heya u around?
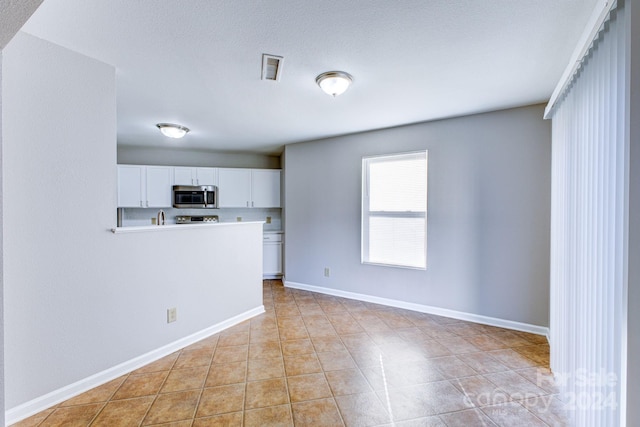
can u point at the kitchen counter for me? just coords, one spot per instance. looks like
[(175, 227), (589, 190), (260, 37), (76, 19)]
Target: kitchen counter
[(168, 227)]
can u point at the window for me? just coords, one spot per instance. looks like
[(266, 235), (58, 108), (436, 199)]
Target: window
[(394, 210)]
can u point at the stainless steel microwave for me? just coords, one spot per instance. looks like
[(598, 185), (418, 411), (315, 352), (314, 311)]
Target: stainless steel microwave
[(195, 196)]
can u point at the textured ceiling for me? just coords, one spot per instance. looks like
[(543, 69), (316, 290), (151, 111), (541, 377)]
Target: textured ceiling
[(14, 13), (198, 62)]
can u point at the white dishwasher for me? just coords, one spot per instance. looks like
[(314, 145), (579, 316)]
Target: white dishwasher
[(272, 256)]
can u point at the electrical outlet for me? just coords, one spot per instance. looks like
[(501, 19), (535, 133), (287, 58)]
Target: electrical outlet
[(268, 220), (239, 219), (327, 272), (172, 315)]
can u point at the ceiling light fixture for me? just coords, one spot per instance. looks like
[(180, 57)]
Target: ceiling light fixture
[(334, 83), (172, 130)]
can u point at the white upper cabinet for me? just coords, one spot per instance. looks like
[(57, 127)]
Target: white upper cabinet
[(159, 182), (265, 188), (131, 186), (183, 176), (150, 186), (234, 189), (144, 186), (206, 176), (249, 188), (195, 176)]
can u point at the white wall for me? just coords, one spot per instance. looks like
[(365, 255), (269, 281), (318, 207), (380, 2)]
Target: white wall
[(488, 215), (203, 158), (79, 299), (14, 15)]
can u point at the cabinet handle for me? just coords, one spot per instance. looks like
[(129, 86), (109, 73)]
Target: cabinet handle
[(251, 204), (147, 203), (247, 203), (192, 183), (141, 204)]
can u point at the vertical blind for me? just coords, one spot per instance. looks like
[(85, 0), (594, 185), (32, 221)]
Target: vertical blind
[(587, 231), (394, 207)]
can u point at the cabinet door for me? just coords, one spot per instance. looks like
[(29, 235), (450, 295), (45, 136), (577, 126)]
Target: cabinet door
[(265, 188), (159, 181), (130, 186), (206, 176), (272, 259), (183, 176), (234, 188)]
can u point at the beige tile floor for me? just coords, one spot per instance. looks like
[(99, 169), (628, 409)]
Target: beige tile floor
[(318, 360)]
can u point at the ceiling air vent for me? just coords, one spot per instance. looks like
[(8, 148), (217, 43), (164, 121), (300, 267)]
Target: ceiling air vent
[(271, 67)]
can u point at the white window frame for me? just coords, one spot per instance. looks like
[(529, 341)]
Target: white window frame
[(366, 214)]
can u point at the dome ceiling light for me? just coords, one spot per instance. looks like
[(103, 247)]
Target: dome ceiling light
[(172, 130), (334, 83)]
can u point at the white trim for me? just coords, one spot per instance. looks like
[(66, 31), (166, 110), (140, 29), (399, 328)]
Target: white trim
[(591, 30), (41, 403), (460, 315)]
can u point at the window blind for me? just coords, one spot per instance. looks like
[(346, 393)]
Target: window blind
[(394, 207), (587, 231)]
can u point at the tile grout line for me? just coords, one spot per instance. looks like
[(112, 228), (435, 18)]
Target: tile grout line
[(109, 400), (160, 388), (286, 377), (204, 382), (104, 405), (324, 373), (286, 385), (359, 370)]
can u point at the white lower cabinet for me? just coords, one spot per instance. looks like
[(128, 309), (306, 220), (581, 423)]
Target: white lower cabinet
[(272, 256)]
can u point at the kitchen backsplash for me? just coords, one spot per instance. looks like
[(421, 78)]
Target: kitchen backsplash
[(132, 217)]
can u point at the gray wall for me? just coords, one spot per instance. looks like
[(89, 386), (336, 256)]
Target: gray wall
[(488, 214), (203, 158)]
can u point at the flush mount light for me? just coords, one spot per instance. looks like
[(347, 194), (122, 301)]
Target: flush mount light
[(172, 130), (334, 83)]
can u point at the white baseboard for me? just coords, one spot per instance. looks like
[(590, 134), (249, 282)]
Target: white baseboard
[(460, 315), (41, 403)]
